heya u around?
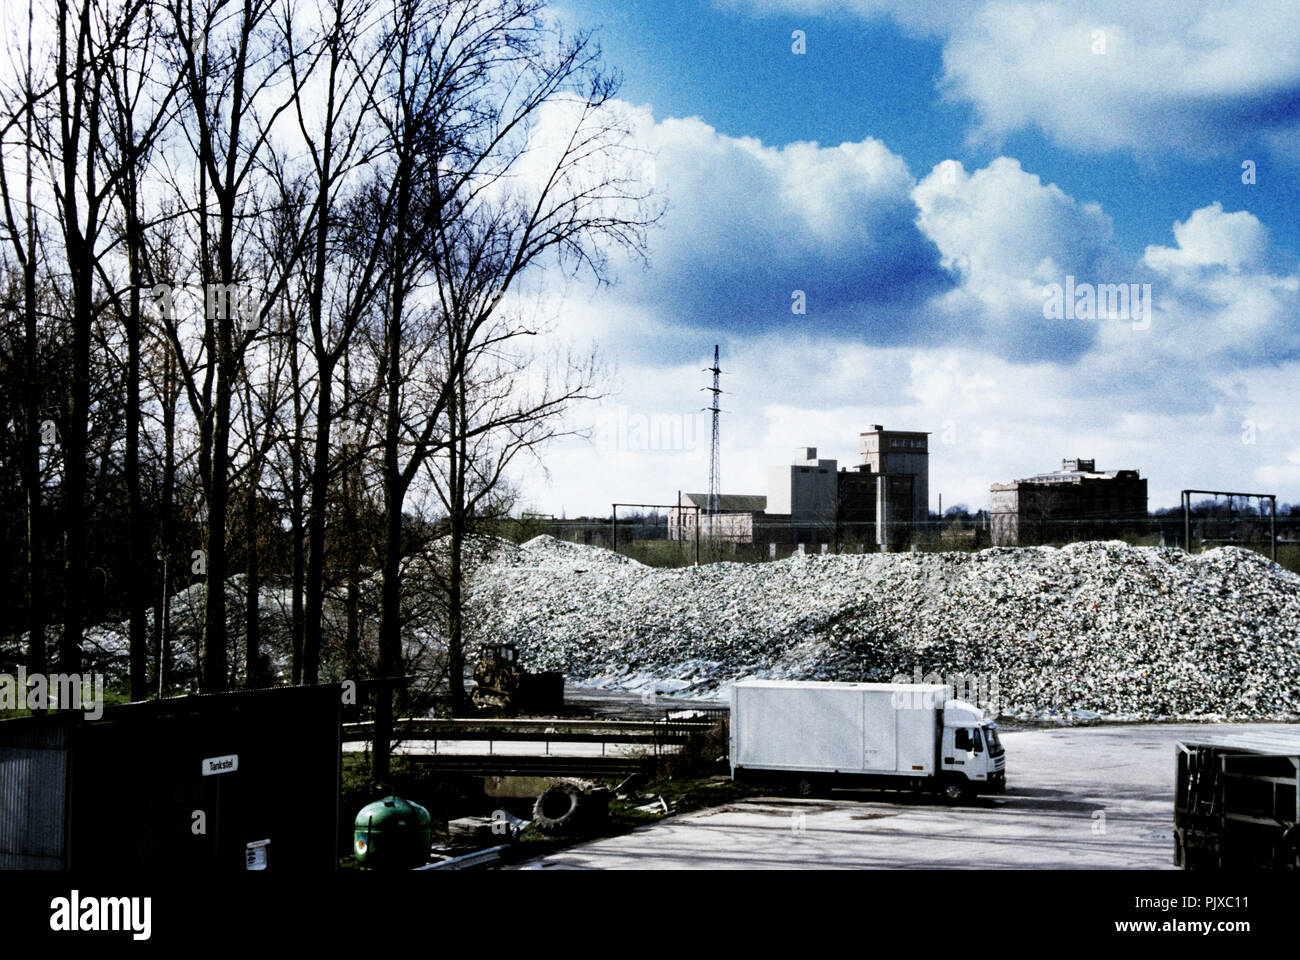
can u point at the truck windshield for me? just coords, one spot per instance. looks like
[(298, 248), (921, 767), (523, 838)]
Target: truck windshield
[(991, 736)]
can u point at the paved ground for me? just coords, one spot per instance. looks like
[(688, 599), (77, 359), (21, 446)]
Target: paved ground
[(1087, 797)]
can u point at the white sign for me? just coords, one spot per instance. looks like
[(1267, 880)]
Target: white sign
[(255, 855), (214, 765)]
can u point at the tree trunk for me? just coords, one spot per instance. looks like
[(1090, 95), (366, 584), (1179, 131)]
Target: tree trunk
[(390, 642), (456, 481), (74, 455), (314, 632), (139, 549), (297, 622), (252, 607), (162, 622), (455, 621), (390, 616), (214, 632), (36, 653)]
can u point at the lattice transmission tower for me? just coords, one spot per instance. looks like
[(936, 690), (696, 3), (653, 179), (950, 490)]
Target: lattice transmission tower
[(714, 468)]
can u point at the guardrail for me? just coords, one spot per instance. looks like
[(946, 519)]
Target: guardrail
[(660, 735)]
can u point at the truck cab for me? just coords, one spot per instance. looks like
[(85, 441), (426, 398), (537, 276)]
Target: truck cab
[(971, 754)]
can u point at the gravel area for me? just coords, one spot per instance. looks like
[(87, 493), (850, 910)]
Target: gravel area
[(1091, 630)]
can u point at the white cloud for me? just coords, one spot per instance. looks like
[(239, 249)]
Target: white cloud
[(1101, 75), (748, 224), (1004, 391), (1210, 237), (1218, 301), (1007, 235), (990, 420)]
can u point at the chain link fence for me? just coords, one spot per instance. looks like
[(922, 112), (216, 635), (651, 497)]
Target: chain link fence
[(648, 540)]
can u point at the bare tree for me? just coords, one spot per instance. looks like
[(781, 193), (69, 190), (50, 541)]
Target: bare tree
[(21, 229), (470, 91), (236, 83), (70, 142), (141, 107), (496, 414)]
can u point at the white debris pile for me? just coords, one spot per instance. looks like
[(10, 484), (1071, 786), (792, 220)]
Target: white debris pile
[(1089, 629)]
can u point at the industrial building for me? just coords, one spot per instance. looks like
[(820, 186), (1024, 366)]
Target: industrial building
[(903, 500), (733, 522), (1076, 502), (812, 500)]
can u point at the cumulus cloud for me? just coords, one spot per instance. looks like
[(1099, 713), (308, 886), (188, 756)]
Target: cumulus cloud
[(1219, 303), (753, 232), (1098, 75), (748, 225), (960, 258), (957, 344), (1007, 235), (1210, 237)]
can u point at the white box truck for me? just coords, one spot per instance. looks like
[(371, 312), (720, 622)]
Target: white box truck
[(899, 736)]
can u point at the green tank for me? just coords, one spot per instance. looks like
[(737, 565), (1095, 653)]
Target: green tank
[(392, 834)]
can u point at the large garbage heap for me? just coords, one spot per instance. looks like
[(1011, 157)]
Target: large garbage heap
[(1090, 629)]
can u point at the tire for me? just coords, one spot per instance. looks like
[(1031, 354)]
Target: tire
[(557, 808), (954, 791), (808, 787)]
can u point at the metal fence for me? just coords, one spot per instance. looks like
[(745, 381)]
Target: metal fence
[(950, 535), (676, 729)]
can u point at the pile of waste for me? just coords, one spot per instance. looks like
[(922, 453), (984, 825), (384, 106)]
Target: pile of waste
[(1098, 629)]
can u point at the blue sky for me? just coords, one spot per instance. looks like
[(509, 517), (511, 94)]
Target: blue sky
[(732, 66), (923, 173)]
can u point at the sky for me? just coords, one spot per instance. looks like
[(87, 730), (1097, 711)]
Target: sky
[(929, 182), (921, 214)]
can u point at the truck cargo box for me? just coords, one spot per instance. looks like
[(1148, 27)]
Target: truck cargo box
[(868, 728)]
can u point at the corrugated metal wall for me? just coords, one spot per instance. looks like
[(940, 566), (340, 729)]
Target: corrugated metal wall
[(33, 782)]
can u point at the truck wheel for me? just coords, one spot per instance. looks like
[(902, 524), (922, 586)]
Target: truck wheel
[(807, 787), (955, 792)]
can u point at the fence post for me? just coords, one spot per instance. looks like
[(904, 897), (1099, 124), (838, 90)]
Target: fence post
[(1272, 527)]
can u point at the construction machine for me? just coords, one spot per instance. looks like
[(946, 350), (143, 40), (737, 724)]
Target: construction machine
[(502, 683)]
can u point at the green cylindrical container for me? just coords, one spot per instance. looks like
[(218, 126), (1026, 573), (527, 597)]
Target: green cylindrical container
[(392, 834)]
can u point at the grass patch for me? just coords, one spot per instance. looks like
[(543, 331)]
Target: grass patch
[(112, 696)]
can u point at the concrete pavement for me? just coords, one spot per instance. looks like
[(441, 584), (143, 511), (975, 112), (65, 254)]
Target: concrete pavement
[(1082, 797)]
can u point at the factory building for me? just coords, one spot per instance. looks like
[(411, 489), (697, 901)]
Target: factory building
[(1076, 502), (899, 453), (804, 494), (812, 500)]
